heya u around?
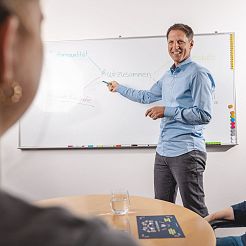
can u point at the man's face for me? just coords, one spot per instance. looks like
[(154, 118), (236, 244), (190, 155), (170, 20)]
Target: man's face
[(179, 46)]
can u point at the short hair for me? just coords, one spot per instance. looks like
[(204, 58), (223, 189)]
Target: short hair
[(182, 27), (4, 12), (14, 8)]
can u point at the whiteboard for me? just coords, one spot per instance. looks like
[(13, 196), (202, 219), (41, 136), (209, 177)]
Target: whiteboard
[(74, 109)]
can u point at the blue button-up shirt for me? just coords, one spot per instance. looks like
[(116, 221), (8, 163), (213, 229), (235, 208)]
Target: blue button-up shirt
[(186, 93)]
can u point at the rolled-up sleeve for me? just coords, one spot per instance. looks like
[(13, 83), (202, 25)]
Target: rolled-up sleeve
[(202, 87)]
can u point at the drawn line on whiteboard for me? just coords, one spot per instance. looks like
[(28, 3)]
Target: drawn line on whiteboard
[(98, 67), (90, 83), (81, 101)]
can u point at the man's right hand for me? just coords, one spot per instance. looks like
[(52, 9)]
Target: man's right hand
[(112, 86)]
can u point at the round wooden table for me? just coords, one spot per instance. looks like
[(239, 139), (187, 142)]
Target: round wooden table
[(196, 230)]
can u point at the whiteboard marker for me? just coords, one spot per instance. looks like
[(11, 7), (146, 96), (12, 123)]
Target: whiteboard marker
[(105, 82)]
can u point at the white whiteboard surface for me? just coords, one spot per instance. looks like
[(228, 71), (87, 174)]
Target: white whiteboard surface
[(73, 108)]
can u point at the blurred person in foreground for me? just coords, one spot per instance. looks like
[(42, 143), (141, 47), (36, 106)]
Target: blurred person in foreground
[(20, 66)]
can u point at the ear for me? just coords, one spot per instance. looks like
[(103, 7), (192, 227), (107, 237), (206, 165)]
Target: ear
[(8, 38), (191, 44)]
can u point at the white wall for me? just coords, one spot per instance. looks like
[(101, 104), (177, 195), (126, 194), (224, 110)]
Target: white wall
[(43, 174)]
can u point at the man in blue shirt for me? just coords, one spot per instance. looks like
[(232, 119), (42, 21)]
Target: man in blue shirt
[(185, 95)]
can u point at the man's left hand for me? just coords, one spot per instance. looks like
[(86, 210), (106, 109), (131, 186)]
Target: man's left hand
[(155, 112)]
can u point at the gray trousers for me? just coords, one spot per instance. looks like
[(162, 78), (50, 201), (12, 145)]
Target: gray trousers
[(184, 172)]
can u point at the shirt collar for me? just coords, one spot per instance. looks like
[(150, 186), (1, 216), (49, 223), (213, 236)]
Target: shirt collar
[(181, 65)]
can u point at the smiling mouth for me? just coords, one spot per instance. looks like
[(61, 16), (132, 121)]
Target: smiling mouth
[(176, 53)]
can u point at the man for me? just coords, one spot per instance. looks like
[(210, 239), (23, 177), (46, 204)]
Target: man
[(236, 213), (185, 92)]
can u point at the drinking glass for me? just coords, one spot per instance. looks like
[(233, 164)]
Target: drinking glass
[(120, 202)]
